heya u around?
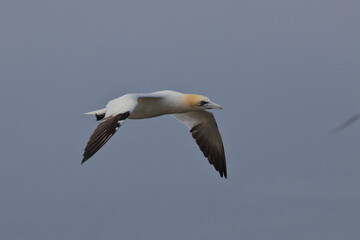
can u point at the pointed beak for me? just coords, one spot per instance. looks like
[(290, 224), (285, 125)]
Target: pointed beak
[(211, 105)]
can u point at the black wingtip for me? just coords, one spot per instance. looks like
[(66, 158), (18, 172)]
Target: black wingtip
[(83, 160), (223, 174), (103, 132)]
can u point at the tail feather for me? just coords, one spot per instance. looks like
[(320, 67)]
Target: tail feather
[(99, 114)]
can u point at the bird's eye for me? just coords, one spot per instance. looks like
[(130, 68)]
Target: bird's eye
[(203, 103)]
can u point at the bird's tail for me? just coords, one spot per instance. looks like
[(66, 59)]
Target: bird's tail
[(99, 114)]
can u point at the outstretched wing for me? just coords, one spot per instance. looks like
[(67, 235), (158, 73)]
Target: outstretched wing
[(104, 131), (204, 130), (344, 125), (116, 111)]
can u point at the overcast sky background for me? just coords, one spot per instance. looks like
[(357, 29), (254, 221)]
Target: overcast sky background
[(286, 73)]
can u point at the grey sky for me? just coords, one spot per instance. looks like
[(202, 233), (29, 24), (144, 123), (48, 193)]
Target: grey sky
[(286, 73)]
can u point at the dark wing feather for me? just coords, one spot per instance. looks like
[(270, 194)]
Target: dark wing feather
[(350, 121), (104, 131), (205, 131)]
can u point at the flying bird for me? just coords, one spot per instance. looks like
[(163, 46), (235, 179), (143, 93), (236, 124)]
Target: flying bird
[(347, 123), (189, 109)]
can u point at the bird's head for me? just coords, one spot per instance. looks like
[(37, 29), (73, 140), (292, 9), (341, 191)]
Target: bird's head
[(199, 102)]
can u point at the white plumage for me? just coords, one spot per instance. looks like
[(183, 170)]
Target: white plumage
[(189, 109)]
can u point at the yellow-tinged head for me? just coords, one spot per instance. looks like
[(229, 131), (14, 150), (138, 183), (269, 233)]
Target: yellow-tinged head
[(200, 102)]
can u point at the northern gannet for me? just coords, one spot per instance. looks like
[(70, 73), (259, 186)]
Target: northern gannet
[(189, 109)]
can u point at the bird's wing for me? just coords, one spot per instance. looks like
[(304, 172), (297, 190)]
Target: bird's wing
[(149, 99), (347, 123), (104, 131), (204, 130), (112, 117), (116, 111)]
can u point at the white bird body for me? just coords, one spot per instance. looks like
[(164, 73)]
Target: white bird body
[(187, 108)]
